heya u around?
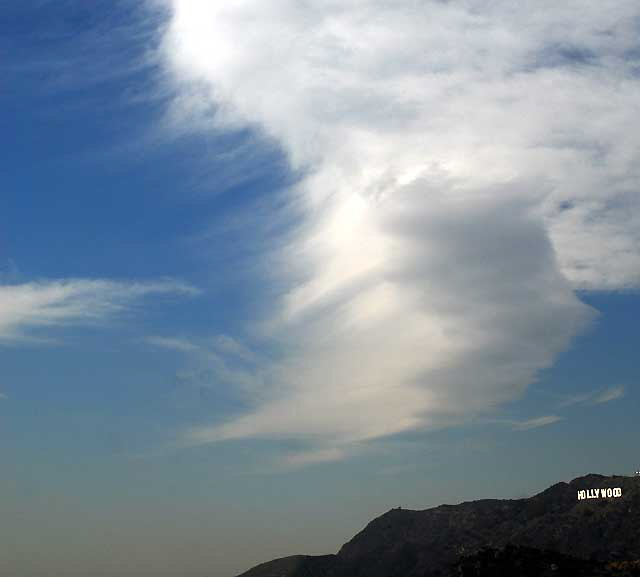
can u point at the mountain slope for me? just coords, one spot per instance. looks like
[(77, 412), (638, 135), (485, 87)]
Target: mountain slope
[(405, 543)]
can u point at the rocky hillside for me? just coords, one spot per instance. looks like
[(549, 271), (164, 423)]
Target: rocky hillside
[(429, 543)]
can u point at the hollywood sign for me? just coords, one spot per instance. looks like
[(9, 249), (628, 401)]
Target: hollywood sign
[(599, 493)]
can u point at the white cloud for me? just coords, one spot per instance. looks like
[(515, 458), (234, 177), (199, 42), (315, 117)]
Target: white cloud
[(598, 397), (608, 395), (324, 455), (28, 309), (173, 343), (536, 423), (215, 362), (468, 165), (3, 397)]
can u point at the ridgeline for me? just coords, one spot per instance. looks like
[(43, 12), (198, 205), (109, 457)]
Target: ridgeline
[(552, 533)]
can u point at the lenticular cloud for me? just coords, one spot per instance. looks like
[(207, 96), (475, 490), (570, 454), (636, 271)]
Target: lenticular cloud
[(468, 166)]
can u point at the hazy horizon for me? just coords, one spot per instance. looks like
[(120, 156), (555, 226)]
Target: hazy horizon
[(269, 269)]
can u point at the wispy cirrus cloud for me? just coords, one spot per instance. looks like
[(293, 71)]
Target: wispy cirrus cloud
[(29, 312), (218, 361), (466, 168), (536, 423), (597, 397), (179, 344), (608, 395)]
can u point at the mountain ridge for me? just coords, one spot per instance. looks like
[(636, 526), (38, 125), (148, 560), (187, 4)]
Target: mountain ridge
[(429, 542)]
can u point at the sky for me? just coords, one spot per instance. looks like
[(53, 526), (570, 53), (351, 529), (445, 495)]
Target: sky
[(268, 269)]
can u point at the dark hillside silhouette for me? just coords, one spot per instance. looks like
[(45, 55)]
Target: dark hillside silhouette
[(436, 542)]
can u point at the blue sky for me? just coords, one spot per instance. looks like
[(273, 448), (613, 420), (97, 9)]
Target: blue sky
[(255, 292)]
